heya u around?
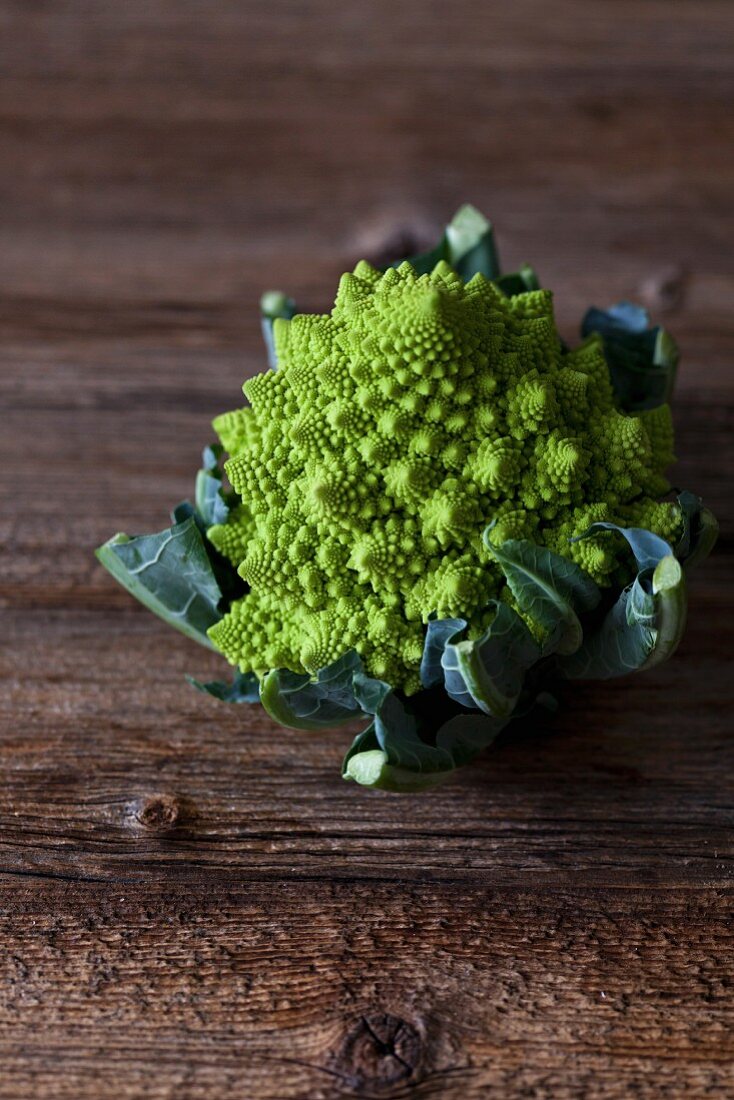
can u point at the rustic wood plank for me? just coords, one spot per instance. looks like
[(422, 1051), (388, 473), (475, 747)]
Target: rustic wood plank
[(371, 990), (166, 401), (612, 791), (192, 903), (132, 128)]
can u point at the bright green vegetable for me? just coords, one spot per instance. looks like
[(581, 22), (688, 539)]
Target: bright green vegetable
[(434, 504)]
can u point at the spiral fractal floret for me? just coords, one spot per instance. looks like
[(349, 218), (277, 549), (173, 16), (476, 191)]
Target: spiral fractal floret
[(430, 510), (395, 429)]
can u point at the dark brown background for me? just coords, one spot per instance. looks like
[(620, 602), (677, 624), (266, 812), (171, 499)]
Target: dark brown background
[(193, 904)]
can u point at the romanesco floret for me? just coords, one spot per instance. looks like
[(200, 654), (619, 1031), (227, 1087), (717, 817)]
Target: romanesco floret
[(394, 430)]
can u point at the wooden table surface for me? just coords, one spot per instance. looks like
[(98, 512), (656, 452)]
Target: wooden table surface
[(193, 904)]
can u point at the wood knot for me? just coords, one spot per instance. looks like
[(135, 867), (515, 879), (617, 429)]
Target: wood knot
[(380, 1052), (160, 813), (664, 291)]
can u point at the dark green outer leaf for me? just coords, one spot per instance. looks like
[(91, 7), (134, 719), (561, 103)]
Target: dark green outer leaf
[(394, 753), (245, 688), (700, 532), (488, 673), (274, 305), (467, 245), (642, 361), (183, 511), (466, 735), (644, 626), (364, 742), (170, 573), (370, 767), (438, 633), (369, 692), (397, 732), (297, 701), (396, 729), (647, 547), (641, 630), (231, 585), (548, 588), (671, 605), (621, 644), (518, 282), (390, 754), (213, 506), (210, 503), (471, 245)]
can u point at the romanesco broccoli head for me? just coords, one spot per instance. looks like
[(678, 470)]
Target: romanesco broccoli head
[(397, 428)]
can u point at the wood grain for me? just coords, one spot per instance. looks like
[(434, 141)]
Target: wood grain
[(192, 903)]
